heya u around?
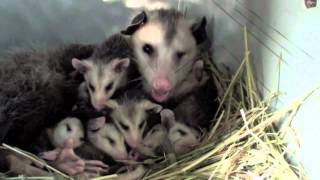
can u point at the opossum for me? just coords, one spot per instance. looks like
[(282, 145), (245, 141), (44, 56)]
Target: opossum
[(54, 137), (68, 128), (165, 47), (106, 70), (130, 116), (183, 138), (35, 92), (110, 141)]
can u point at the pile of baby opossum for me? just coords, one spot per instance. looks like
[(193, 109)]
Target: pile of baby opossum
[(91, 109)]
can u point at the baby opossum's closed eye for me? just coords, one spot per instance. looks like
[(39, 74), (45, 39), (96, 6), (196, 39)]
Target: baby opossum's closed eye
[(142, 124), (181, 132), (125, 127), (111, 141), (108, 88)]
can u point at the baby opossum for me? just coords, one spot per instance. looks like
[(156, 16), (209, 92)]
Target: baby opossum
[(68, 128), (54, 137), (35, 92), (130, 116), (182, 137), (106, 70), (110, 141), (165, 47)]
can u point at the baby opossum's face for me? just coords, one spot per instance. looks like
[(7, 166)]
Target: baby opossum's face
[(154, 137), (109, 140), (182, 137), (101, 79), (130, 118), (68, 128), (165, 47)]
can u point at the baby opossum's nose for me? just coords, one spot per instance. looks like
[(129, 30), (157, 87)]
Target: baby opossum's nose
[(98, 104)]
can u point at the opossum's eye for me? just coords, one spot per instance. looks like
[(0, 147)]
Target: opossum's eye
[(68, 128), (91, 87), (180, 54), (153, 131), (108, 88), (141, 124), (148, 49), (125, 127), (181, 132), (111, 141)]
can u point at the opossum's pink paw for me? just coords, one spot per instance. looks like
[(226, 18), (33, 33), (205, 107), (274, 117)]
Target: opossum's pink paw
[(97, 167), (67, 161), (50, 155)]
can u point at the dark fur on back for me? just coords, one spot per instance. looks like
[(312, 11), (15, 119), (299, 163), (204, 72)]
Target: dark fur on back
[(116, 46), (35, 93)]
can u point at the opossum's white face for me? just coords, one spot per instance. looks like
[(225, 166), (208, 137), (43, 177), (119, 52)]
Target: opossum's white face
[(109, 140), (130, 118), (182, 137), (154, 137), (68, 128), (102, 80), (163, 62)]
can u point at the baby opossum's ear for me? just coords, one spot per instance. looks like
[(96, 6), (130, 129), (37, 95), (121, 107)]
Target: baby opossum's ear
[(112, 104), (120, 65), (80, 66), (137, 21), (150, 106), (167, 118), (199, 30)]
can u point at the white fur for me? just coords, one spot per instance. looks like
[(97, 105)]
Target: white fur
[(99, 139), (60, 132)]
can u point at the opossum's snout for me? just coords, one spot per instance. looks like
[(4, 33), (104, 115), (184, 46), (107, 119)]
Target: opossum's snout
[(98, 102), (133, 142), (160, 89), (121, 156)]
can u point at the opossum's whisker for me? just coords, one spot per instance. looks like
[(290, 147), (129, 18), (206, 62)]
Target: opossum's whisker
[(182, 66)]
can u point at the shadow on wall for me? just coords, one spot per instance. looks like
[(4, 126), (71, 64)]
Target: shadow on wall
[(50, 23)]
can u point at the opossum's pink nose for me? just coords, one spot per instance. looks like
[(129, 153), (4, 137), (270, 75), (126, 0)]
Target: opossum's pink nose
[(162, 85), (160, 89), (121, 156)]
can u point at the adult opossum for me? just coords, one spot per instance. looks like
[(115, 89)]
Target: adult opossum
[(107, 69), (35, 91), (165, 47)]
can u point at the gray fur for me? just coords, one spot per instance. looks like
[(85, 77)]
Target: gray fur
[(34, 94)]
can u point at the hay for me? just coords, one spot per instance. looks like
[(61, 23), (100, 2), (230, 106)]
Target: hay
[(244, 143)]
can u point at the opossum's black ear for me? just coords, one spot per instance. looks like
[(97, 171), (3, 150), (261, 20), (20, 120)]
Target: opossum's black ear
[(120, 65), (167, 118), (199, 30), (137, 21), (150, 106), (80, 66)]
